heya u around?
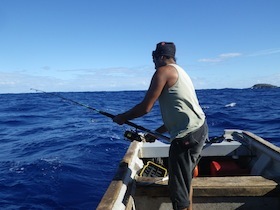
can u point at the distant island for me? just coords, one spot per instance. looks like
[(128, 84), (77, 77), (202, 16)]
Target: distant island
[(261, 86)]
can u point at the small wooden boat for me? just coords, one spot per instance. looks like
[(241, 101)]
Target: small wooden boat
[(237, 171)]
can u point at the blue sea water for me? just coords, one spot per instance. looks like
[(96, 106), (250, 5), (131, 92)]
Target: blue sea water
[(57, 155)]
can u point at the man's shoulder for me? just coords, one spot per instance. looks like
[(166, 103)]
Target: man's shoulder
[(166, 68), (169, 72)]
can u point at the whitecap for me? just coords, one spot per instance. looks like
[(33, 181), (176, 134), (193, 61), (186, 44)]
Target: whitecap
[(230, 105)]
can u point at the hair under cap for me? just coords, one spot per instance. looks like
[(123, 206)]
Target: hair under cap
[(165, 48)]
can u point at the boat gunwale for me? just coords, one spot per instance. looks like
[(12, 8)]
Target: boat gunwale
[(121, 181)]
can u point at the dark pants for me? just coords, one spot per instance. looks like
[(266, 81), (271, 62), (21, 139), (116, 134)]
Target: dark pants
[(184, 154)]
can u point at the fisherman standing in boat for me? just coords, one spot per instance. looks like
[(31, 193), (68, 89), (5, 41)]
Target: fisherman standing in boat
[(183, 118)]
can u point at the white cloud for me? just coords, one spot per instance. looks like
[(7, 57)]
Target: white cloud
[(17, 82), (226, 56), (265, 52), (230, 55), (210, 60), (110, 79), (273, 79), (220, 58)]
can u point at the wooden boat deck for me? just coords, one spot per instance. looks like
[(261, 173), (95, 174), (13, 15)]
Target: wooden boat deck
[(242, 192), (218, 186)]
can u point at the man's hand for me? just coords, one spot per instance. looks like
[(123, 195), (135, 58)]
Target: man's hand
[(149, 137), (120, 119)]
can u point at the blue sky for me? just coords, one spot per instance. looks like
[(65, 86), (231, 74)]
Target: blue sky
[(102, 45)]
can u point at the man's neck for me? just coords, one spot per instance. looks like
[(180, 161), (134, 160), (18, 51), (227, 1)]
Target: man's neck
[(170, 61)]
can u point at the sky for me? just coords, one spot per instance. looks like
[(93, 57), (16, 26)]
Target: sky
[(102, 45)]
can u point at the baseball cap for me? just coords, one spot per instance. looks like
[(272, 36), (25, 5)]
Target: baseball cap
[(165, 48)]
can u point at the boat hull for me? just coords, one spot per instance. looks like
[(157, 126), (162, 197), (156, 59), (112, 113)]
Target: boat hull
[(254, 184)]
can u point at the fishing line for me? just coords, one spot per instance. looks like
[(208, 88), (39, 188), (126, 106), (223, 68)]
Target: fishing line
[(159, 135)]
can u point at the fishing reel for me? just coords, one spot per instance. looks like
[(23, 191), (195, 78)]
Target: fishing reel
[(133, 135)]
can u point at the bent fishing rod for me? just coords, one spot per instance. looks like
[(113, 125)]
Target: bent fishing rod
[(156, 134)]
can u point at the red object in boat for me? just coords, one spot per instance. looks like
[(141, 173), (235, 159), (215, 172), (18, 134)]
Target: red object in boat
[(227, 168)]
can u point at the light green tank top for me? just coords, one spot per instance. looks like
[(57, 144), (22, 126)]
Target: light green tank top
[(179, 106)]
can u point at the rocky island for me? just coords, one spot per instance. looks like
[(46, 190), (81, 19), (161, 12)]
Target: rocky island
[(261, 86)]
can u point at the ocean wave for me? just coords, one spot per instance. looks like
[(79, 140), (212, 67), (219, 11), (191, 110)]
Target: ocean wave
[(54, 154)]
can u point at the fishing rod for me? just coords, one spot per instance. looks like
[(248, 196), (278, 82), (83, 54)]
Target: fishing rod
[(154, 133)]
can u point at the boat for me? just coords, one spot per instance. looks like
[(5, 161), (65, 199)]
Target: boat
[(238, 170)]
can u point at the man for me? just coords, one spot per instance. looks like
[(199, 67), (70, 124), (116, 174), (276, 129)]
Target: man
[(182, 116)]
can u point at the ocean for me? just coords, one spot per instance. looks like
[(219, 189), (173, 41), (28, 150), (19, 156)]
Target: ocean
[(58, 155)]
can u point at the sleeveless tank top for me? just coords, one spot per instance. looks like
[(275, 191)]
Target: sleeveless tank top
[(180, 109)]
